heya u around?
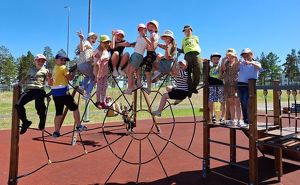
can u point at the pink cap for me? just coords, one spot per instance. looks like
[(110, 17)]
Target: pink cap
[(141, 26), (117, 32), (183, 62), (40, 56)]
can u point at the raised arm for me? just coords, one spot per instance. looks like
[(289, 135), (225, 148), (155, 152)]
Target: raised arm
[(81, 37)]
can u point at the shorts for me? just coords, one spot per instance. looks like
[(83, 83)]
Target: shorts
[(61, 101), (178, 94), (165, 66), (149, 60), (216, 94), (136, 59)]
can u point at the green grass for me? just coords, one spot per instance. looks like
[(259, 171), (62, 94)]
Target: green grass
[(96, 116)]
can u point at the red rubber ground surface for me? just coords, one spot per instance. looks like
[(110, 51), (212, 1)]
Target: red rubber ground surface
[(95, 168)]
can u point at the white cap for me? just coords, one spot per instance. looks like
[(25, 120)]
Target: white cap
[(183, 62), (246, 50), (91, 34), (40, 56)]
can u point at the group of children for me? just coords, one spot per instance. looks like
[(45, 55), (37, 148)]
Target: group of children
[(228, 84), (109, 56)]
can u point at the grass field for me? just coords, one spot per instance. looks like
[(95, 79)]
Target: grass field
[(96, 115)]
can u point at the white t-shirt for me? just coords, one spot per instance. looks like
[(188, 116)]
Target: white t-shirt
[(156, 39), (140, 45), (87, 53)]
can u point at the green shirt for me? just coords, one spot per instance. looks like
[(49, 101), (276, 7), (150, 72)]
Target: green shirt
[(190, 44), (36, 78)]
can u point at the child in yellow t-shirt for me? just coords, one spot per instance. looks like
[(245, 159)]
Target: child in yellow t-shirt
[(61, 95)]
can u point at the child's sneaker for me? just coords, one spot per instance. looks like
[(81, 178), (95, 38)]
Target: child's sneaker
[(56, 134), (222, 121), (214, 120), (121, 72), (25, 126), (115, 73), (81, 128), (156, 113)]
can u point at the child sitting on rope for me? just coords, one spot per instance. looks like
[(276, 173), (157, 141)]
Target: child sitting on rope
[(101, 58), (180, 91), (165, 62), (85, 52), (61, 95), (34, 89), (136, 59), (119, 60)]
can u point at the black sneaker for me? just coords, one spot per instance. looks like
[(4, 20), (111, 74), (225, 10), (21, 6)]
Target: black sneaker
[(25, 126), (214, 120), (56, 134), (195, 91)]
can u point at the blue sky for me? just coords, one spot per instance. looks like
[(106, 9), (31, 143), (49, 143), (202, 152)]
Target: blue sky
[(262, 25)]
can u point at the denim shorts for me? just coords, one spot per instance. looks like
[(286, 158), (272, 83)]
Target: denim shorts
[(216, 94), (136, 59)]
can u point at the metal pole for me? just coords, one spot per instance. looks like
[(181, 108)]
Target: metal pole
[(90, 16), (68, 34)]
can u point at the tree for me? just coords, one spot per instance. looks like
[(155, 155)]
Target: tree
[(271, 68), (24, 64), (50, 58), (291, 67), (7, 66), (62, 51)]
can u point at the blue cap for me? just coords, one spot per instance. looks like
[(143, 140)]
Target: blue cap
[(62, 55)]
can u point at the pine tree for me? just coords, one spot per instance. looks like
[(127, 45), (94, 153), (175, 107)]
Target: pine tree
[(291, 67), (7, 66)]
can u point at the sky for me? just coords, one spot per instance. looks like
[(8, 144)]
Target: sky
[(262, 25)]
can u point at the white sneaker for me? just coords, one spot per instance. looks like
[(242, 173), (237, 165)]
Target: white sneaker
[(115, 73), (81, 128), (156, 113), (121, 72)]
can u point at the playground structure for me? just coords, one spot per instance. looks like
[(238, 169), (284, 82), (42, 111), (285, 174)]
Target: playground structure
[(262, 136)]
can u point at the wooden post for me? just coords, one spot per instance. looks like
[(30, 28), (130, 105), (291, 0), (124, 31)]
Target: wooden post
[(134, 105), (253, 161), (206, 128), (232, 145), (276, 113), (14, 143)]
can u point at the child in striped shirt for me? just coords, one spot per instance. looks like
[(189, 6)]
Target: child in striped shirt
[(181, 89)]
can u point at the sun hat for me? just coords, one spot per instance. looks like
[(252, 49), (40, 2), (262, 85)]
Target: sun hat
[(92, 34), (156, 24), (231, 52), (141, 26), (215, 55), (104, 38), (168, 33), (246, 50), (62, 56), (40, 56), (117, 32), (187, 27), (183, 62)]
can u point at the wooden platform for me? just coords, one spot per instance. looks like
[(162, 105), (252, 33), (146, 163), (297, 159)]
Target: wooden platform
[(286, 132), (260, 126)]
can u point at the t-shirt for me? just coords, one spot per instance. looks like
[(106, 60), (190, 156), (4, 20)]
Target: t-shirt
[(181, 80), (59, 76), (119, 49), (190, 44), (36, 78), (156, 39), (140, 45), (214, 75), (248, 72), (87, 53), (101, 59)]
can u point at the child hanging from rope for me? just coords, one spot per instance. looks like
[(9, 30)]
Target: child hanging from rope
[(33, 89), (165, 62), (61, 95), (119, 60), (149, 59), (101, 58), (180, 91), (136, 59), (216, 88), (85, 51)]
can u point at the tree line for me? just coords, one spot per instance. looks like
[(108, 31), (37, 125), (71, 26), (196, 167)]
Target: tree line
[(13, 69)]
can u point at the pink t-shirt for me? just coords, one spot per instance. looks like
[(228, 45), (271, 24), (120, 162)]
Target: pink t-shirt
[(101, 59)]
